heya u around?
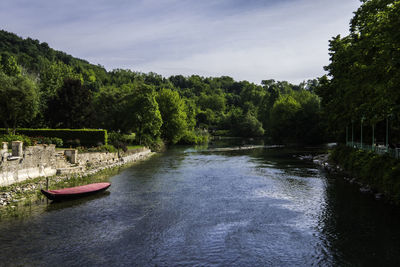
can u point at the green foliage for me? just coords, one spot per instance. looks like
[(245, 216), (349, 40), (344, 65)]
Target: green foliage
[(111, 104), (144, 117), (283, 117), (72, 106), (295, 118), (15, 137), (381, 172), (70, 137), (48, 140), (121, 141), (18, 100), (71, 93), (213, 102), (172, 109), (52, 78), (194, 137), (242, 124), (9, 65), (364, 69)]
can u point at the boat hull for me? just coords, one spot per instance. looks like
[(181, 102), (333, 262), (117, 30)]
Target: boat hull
[(75, 192)]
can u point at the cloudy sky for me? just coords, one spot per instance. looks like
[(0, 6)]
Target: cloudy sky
[(247, 39)]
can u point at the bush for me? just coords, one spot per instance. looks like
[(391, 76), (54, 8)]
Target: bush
[(194, 138), (70, 137), (48, 140), (119, 140), (130, 138), (11, 137), (157, 145), (381, 172)]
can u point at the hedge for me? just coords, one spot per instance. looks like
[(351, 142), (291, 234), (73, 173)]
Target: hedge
[(70, 137)]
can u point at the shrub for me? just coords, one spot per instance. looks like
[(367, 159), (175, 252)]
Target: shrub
[(381, 172), (48, 140), (194, 137), (11, 137), (118, 140)]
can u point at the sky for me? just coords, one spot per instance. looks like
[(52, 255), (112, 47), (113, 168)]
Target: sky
[(250, 40)]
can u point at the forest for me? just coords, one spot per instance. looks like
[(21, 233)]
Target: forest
[(44, 88)]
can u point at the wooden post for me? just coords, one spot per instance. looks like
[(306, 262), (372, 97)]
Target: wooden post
[(47, 188)]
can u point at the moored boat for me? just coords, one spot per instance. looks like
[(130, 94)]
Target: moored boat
[(75, 192)]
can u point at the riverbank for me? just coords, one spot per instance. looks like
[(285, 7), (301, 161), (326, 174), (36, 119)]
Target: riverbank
[(374, 174), (28, 191)]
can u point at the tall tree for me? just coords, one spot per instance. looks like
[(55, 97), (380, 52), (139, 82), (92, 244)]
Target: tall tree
[(72, 106), (363, 75), (172, 109), (143, 115), (18, 100)]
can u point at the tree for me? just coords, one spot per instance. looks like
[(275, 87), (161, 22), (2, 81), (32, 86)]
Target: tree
[(72, 106), (283, 118), (18, 100), (9, 65), (143, 115), (172, 109), (363, 74), (111, 107)]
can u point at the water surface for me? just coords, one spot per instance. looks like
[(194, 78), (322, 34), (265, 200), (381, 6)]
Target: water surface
[(208, 207)]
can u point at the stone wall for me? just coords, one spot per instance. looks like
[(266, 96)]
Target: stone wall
[(44, 160), (32, 162)]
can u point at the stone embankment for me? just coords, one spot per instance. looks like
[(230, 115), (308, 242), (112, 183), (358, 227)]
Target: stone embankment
[(23, 165)]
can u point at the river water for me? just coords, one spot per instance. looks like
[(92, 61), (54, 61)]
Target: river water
[(211, 207)]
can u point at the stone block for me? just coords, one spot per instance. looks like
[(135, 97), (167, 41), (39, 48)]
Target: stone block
[(72, 155), (17, 148), (4, 146)]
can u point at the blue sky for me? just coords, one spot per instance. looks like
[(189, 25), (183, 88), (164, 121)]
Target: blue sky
[(249, 40)]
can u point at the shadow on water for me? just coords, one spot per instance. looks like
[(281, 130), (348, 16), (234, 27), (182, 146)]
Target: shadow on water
[(357, 229), (59, 205)]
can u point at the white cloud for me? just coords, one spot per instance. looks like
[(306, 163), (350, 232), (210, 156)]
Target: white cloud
[(284, 40)]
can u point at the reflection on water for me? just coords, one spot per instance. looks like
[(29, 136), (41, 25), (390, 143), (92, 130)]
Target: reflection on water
[(226, 207), (55, 205)]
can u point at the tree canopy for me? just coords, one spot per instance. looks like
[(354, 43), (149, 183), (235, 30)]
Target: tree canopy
[(73, 93), (364, 71)]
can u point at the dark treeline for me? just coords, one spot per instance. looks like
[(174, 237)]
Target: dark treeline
[(41, 87), (363, 85)]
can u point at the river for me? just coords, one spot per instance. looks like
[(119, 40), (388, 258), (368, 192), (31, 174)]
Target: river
[(211, 207)]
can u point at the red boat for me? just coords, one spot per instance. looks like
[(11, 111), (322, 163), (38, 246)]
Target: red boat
[(75, 192)]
